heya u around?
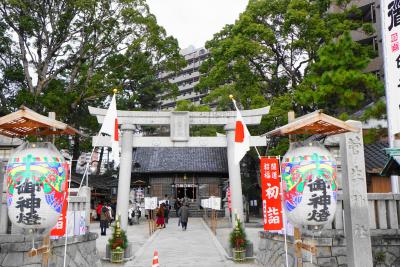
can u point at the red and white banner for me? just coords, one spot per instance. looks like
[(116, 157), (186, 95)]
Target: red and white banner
[(59, 229), (271, 194), (242, 136), (228, 193)]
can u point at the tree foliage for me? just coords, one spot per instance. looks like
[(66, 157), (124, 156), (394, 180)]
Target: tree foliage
[(73, 53), (280, 53), (11, 74), (336, 81)]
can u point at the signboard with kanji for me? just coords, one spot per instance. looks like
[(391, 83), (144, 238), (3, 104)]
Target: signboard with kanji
[(271, 194), (391, 55), (215, 203), (150, 203)]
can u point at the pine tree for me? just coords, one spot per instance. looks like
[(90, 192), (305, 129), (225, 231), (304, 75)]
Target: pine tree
[(237, 238)]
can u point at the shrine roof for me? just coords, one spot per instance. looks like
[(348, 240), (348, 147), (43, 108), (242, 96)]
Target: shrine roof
[(313, 123), (180, 160), (392, 166), (375, 157), (26, 122)]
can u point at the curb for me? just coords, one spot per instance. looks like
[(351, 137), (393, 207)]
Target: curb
[(220, 248), (141, 250)]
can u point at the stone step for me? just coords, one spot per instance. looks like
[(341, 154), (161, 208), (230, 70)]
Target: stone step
[(196, 213)]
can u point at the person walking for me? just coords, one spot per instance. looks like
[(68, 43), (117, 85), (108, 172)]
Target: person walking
[(177, 206), (104, 220), (184, 215), (110, 212), (160, 217), (131, 214), (166, 214)]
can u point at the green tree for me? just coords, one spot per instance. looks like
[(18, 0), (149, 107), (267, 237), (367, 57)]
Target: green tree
[(11, 75), (336, 81), (264, 56), (73, 53), (270, 56)]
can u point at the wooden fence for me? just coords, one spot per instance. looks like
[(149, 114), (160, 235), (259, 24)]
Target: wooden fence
[(384, 212)]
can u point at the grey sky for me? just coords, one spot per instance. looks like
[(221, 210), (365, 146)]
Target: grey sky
[(193, 22)]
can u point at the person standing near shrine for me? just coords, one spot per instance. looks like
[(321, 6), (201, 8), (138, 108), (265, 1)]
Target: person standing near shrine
[(160, 223), (184, 215), (166, 213), (98, 210), (104, 220), (177, 206)]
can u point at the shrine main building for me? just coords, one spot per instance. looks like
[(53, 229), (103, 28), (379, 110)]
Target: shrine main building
[(179, 172)]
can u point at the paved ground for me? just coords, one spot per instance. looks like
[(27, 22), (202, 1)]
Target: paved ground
[(137, 235), (195, 247)]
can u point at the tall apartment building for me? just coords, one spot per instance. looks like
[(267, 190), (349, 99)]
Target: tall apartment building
[(370, 13), (187, 79)]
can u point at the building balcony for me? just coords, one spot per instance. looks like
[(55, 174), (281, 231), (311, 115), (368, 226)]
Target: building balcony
[(185, 77)]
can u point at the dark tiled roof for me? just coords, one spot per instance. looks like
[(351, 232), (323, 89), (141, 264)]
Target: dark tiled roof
[(375, 157), (98, 182), (392, 167), (180, 160)]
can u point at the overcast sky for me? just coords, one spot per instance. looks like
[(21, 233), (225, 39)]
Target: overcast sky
[(193, 22)]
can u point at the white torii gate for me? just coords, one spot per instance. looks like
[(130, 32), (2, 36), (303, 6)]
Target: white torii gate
[(179, 122)]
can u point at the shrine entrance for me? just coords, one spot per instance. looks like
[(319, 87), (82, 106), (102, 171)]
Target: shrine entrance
[(187, 191), (179, 123)]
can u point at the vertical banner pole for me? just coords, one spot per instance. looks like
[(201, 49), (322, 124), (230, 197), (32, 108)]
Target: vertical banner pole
[(284, 215), (152, 221), (148, 222), (66, 219), (297, 233)]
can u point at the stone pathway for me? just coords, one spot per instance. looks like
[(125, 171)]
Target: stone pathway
[(194, 247)]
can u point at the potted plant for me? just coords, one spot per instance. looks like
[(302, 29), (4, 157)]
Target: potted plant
[(238, 242), (118, 242)]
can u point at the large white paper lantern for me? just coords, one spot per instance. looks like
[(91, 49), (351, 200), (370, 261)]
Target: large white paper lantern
[(36, 181), (309, 184)]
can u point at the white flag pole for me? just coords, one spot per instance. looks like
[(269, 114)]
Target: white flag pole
[(234, 103), (66, 213), (91, 155)]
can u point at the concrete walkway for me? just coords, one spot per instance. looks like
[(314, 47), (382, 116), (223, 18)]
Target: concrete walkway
[(196, 246)]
